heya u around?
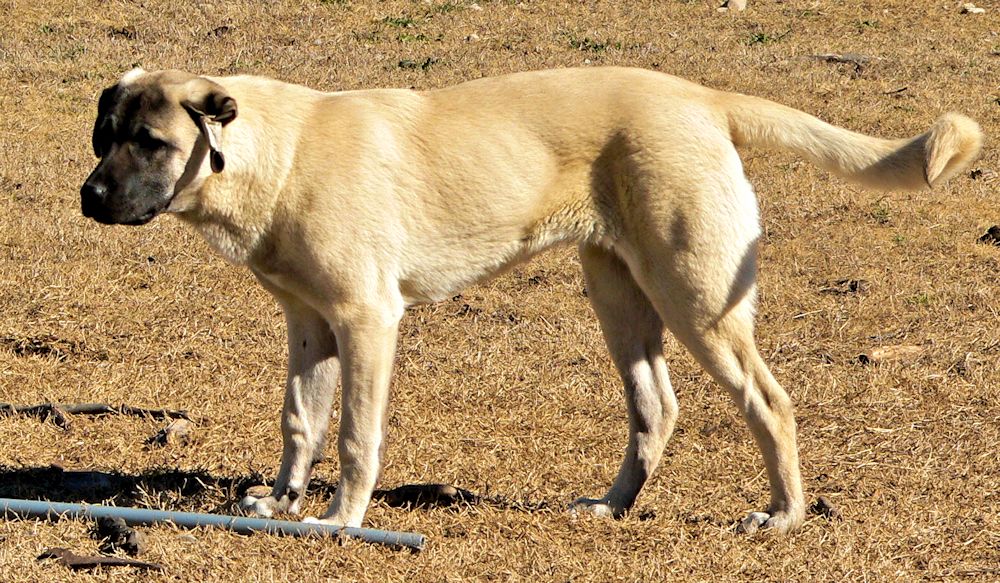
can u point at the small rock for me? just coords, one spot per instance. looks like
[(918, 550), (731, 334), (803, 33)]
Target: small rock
[(472, 38), (109, 526), (135, 543), (970, 8), (177, 431), (117, 535), (475, 6)]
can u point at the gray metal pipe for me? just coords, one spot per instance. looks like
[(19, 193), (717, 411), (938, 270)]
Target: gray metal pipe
[(243, 525)]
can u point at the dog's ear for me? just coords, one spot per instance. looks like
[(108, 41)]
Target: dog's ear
[(211, 107), (206, 98), (104, 127)]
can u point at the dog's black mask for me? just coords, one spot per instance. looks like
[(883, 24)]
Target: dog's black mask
[(144, 137)]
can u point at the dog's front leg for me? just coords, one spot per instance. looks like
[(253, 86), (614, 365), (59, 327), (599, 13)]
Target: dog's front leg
[(313, 370), (367, 347)]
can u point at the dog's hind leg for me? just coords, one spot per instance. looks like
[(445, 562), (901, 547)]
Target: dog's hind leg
[(313, 371), (697, 263), (633, 332), (728, 353)]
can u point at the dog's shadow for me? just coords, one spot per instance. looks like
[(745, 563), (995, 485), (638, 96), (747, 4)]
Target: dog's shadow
[(199, 490), (193, 488)]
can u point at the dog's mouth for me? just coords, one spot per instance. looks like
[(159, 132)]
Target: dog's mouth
[(141, 220), (153, 212), (108, 217)]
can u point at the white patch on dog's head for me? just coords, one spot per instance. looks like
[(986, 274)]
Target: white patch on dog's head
[(132, 76)]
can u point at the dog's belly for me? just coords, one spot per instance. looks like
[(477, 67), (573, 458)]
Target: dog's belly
[(454, 272), (447, 265)]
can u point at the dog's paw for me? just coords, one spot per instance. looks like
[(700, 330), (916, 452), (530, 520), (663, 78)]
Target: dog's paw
[(596, 507), (315, 520), (328, 521), (779, 522), (753, 522), (262, 507), (266, 506)]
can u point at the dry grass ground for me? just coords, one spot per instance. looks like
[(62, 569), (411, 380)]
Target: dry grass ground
[(507, 390)]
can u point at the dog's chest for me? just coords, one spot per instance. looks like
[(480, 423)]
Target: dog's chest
[(234, 246)]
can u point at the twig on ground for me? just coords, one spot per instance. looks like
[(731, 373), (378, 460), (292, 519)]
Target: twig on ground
[(78, 562), (57, 411), (859, 61)]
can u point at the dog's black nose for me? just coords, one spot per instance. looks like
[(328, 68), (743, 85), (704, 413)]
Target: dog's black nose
[(93, 191), (92, 195)]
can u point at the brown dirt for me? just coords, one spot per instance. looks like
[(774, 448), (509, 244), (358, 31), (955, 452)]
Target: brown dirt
[(507, 390)]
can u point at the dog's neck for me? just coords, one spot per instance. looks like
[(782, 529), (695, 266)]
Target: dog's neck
[(237, 241), (231, 214), (234, 209)]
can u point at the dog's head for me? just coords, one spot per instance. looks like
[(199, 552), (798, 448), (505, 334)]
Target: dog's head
[(152, 135)]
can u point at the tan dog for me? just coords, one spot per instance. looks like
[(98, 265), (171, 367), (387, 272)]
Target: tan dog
[(351, 206)]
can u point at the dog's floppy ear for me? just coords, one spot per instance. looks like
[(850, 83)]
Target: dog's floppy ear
[(211, 107), (103, 127)]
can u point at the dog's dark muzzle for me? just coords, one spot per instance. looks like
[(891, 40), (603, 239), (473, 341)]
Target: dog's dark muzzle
[(97, 203)]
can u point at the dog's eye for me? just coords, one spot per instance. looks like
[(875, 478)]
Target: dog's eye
[(101, 145), (147, 141)]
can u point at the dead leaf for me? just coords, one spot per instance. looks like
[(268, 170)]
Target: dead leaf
[(991, 236), (902, 353), (845, 286), (823, 507)]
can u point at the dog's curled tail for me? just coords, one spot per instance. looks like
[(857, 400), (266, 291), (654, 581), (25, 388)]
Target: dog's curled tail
[(947, 148)]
